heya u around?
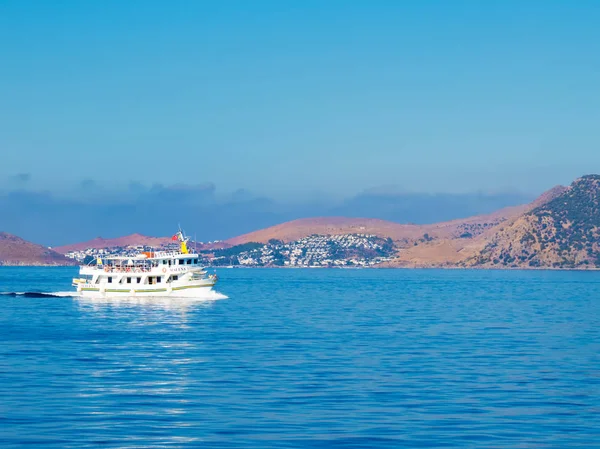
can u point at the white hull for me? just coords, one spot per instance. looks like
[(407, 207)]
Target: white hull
[(197, 292)]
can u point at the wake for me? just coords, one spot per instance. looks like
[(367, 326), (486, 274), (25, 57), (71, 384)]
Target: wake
[(37, 294)]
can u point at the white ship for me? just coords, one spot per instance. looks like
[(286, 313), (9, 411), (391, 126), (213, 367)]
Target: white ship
[(160, 273)]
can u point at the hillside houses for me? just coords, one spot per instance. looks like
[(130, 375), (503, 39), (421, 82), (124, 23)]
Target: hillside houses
[(358, 250), (313, 251)]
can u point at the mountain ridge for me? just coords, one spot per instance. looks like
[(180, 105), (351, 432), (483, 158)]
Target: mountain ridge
[(16, 251), (295, 229), (563, 232)]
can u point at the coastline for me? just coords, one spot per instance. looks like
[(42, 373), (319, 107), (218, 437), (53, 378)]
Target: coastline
[(374, 267), (412, 268)]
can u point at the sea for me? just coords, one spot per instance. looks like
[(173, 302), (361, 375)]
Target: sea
[(305, 358)]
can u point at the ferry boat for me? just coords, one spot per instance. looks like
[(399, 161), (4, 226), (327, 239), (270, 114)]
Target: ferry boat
[(155, 273)]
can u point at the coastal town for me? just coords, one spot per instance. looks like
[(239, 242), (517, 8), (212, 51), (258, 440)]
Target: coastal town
[(347, 250), (358, 250)]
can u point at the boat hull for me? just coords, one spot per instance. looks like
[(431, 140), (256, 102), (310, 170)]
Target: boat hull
[(186, 291)]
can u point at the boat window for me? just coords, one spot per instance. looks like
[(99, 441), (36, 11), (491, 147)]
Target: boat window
[(179, 261), (189, 261), (175, 277), (195, 261), (129, 280), (164, 262), (158, 279), (110, 279), (139, 280), (169, 261)]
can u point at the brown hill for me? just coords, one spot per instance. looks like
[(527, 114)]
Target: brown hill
[(16, 251), (130, 240), (296, 229), (563, 232), (451, 243), (433, 245), (401, 233)]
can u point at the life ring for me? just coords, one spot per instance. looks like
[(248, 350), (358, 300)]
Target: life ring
[(164, 270)]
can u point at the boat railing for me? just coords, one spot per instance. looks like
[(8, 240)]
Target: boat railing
[(158, 254), (139, 269), (123, 269)]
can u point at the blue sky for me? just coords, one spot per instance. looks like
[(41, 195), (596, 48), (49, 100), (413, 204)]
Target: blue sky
[(300, 98)]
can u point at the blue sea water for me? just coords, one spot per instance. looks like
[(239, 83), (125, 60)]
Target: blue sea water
[(306, 359)]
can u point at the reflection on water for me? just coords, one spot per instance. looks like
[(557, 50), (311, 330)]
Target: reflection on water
[(158, 302)]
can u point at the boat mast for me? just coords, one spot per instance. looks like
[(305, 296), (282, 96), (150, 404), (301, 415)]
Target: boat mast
[(183, 241)]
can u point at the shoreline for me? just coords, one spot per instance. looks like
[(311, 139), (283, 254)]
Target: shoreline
[(474, 268)]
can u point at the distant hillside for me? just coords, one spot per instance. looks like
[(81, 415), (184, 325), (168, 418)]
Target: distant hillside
[(561, 233), (99, 243), (16, 251), (401, 233), (450, 244), (297, 229)]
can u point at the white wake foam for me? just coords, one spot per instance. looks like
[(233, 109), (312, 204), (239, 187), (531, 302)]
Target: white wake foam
[(64, 294)]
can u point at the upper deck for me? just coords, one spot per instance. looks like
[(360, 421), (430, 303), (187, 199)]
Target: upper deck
[(152, 255), (166, 262), (145, 261)]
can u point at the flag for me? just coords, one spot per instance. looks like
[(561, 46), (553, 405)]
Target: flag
[(175, 237)]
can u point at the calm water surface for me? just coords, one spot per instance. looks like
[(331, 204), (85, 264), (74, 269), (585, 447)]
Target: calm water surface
[(306, 358)]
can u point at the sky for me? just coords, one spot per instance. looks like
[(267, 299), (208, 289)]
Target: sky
[(299, 99)]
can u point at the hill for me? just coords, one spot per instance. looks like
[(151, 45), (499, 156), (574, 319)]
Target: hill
[(297, 229), (404, 235), (129, 240), (435, 245), (563, 232), (450, 244), (16, 251)]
